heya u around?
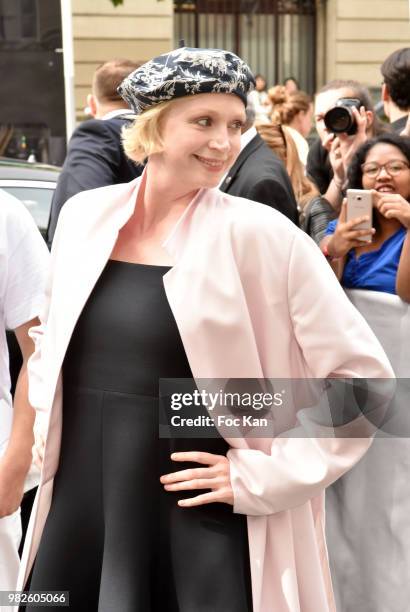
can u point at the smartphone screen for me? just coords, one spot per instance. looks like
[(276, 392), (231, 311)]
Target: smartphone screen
[(360, 204)]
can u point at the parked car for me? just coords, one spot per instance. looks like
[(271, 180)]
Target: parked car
[(31, 183)]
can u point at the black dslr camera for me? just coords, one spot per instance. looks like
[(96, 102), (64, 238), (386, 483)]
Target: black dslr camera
[(340, 118)]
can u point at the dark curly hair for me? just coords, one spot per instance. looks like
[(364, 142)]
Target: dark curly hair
[(355, 174), (396, 74)]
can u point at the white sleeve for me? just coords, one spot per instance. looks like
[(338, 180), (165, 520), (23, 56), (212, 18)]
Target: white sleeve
[(27, 268)]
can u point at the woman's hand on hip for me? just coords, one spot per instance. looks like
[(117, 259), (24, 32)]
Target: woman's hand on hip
[(216, 476)]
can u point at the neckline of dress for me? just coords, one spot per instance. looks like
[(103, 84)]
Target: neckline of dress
[(136, 263)]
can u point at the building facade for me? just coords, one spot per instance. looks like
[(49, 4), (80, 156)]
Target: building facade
[(313, 40), (358, 35)]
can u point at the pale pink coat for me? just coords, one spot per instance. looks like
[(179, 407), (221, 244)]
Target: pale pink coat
[(252, 297)]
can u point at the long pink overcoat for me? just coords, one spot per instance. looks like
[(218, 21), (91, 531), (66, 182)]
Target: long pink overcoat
[(252, 297)]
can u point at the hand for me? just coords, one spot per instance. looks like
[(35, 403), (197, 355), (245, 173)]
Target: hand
[(393, 206), (342, 147), (350, 144), (11, 488), (336, 159), (38, 448), (215, 477), (346, 237)]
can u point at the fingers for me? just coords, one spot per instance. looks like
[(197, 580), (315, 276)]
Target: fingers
[(391, 200), (335, 144), (190, 474), (197, 457), (361, 118), (354, 222), (354, 234), (327, 142), (357, 244), (37, 458), (196, 483), (343, 211), (215, 477), (38, 449), (393, 213), (222, 495)]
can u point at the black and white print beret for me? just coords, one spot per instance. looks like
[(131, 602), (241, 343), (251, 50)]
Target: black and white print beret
[(184, 72)]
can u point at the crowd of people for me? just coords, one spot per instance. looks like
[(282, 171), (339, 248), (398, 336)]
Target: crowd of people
[(373, 156), (196, 232)]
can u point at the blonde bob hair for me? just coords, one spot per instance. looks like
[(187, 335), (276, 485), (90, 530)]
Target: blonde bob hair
[(143, 137)]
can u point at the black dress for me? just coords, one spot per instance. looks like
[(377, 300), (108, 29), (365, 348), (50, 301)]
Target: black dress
[(114, 538)]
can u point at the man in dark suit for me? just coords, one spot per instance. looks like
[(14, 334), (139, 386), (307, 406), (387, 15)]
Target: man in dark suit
[(95, 156), (396, 88), (259, 175)]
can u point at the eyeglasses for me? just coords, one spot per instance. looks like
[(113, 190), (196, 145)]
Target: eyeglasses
[(393, 168)]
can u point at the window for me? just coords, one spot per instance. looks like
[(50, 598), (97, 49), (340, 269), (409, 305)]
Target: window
[(36, 197), (276, 37), (18, 20)]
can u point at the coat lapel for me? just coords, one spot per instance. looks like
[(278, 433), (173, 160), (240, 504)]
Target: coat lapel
[(206, 296), (79, 268), (250, 148)]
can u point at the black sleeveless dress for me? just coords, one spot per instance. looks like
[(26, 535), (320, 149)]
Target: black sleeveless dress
[(114, 538)]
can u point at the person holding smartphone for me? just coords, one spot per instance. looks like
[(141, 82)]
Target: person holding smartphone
[(377, 258)]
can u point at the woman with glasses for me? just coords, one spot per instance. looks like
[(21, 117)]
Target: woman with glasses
[(382, 165)]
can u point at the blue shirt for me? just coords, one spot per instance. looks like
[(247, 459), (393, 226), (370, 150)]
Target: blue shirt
[(376, 270)]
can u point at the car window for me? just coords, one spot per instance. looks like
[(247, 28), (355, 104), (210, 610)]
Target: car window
[(36, 200)]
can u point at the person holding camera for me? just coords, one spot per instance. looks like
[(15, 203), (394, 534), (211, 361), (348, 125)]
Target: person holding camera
[(378, 258), (347, 94), (345, 119)]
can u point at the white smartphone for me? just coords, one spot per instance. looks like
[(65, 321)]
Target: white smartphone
[(360, 204)]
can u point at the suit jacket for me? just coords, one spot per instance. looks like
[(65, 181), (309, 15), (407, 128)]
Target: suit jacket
[(399, 125), (253, 297), (260, 176), (95, 158), (318, 167)]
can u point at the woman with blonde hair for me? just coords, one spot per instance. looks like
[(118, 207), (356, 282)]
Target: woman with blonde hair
[(295, 110), (168, 277)]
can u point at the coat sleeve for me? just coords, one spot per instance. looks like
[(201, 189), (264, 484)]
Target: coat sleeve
[(37, 377), (336, 342), (93, 158)]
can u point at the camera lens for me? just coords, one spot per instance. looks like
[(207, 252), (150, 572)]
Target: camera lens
[(338, 120)]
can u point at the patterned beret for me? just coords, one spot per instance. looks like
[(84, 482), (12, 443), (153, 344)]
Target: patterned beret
[(184, 72)]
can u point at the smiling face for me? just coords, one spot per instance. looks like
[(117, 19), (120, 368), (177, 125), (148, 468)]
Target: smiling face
[(201, 138), (383, 153)]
